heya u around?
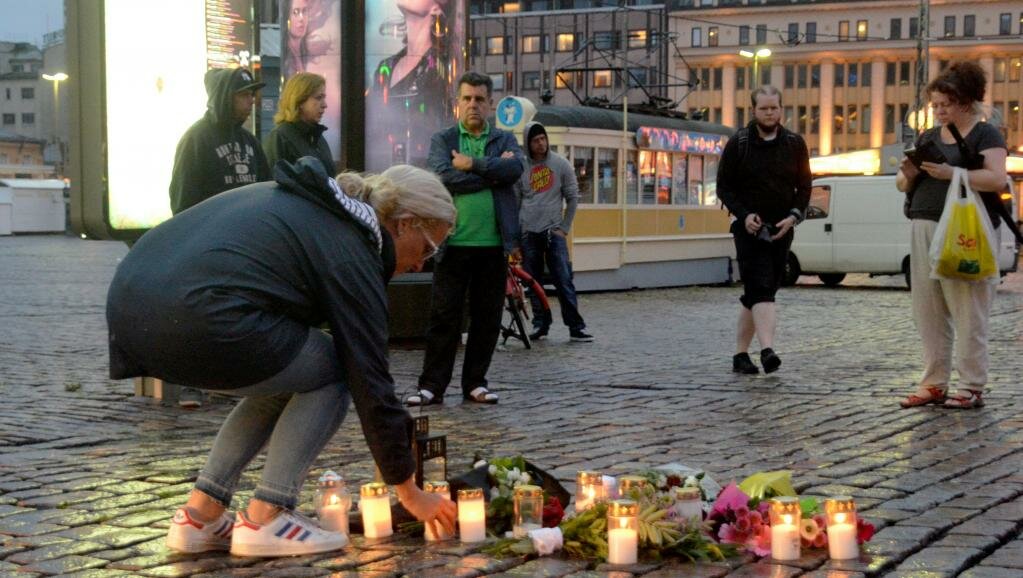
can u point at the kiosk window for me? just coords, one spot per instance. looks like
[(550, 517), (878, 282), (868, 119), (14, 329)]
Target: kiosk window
[(607, 176), (631, 179), (647, 178), (582, 159)]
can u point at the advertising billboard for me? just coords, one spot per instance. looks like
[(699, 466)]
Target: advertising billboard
[(311, 42), (414, 55)]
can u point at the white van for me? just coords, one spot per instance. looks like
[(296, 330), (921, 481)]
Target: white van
[(855, 224)]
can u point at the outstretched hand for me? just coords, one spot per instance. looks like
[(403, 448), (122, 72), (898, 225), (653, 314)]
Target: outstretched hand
[(432, 509)]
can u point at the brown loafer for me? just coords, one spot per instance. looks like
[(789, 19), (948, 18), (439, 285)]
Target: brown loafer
[(931, 395)]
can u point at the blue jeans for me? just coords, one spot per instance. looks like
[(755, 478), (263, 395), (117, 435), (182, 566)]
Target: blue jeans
[(540, 247), (297, 411)]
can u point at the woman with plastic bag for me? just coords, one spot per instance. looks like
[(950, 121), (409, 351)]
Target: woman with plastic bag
[(946, 307)]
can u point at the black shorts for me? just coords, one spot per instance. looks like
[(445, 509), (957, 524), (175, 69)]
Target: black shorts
[(761, 264)]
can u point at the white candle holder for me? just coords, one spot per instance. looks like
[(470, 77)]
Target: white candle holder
[(443, 489), (689, 505), (622, 532), (840, 512), (626, 483), (375, 503), (528, 504), (472, 516), (333, 503), (589, 490), (785, 519)]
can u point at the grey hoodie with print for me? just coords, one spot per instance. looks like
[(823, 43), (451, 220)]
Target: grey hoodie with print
[(548, 191)]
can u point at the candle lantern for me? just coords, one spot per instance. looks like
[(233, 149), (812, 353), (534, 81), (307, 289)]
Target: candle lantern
[(589, 489), (528, 502), (444, 490), (622, 532), (842, 522), (431, 458), (472, 515), (688, 505), (626, 483), (785, 519), (333, 502), (375, 503)]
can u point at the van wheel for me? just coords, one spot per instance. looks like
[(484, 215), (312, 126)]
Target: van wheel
[(905, 272), (831, 279), (792, 271)]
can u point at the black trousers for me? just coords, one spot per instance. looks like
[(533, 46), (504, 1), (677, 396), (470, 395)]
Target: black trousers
[(761, 265), (480, 273)]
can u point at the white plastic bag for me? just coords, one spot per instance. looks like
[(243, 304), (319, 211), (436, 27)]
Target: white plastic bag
[(963, 247)]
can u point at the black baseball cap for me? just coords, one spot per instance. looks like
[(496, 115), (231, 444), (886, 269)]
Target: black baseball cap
[(242, 81)]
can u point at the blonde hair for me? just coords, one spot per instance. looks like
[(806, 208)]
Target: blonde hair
[(402, 191), (297, 89)]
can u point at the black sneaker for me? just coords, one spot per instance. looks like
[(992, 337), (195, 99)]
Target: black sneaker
[(741, 363), (579, 336), (770, 360), (538, 335)]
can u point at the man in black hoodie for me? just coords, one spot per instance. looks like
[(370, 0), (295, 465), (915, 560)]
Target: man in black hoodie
[(217, 153)]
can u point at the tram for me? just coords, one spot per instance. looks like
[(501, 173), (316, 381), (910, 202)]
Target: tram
[(649, 215)]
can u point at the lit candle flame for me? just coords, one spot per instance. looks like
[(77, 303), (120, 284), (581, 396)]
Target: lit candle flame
[(840, 518), (787, 518)]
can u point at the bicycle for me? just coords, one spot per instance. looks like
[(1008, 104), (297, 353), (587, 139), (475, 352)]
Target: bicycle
[(517, 304)]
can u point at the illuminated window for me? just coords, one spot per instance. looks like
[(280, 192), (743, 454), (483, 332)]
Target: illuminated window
[(564, 79), (697, 37), (498, 80), (602, 79), (495, 45), (637, 38), (530, 44), (565, 42), (843, 31), (861, 29), (510, 7), (712, 36), (1000, 66), (1015, 65)]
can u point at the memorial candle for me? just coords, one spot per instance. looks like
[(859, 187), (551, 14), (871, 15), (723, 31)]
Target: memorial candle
[(472, 515), (375, 503), (589, 489), (444, 490), (622, 532), (785, 517), (841, 518)]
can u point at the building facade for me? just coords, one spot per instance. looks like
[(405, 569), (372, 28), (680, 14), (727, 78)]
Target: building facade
[(21, 157), (568, 51), (847, 70), (20, 66)]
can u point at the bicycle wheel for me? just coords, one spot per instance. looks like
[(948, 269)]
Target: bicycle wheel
[(517, 328)]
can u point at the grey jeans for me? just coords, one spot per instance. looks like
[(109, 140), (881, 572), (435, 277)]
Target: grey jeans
[(297, 411)]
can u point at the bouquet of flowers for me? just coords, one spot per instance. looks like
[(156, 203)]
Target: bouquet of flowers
[(505, 474)]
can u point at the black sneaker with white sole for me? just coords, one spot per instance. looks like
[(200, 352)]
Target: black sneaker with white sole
[(580, 336), (538, 335)]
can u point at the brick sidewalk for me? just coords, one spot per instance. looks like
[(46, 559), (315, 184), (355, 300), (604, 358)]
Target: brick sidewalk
[(89, 475)]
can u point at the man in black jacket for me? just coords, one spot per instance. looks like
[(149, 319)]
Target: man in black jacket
[(764, 180), (217, 153)]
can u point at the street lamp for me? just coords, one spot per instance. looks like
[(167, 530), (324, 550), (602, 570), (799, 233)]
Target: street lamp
[(56, 79), (756, 56)]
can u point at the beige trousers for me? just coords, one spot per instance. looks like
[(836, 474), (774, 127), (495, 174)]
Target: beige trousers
[(944, 309)]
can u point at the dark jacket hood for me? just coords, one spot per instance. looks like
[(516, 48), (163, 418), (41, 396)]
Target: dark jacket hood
[(220, 98), (531, 130)]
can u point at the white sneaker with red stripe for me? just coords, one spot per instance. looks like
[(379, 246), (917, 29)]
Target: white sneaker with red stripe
[(289, 534), (188, 534)]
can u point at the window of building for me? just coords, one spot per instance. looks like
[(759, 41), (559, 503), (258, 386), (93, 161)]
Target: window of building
[(815, 119), (565, 42), (895, 29), (801, 76), (861, 30), (802, 121), (740, 116), (811, 32), (637, 38), (761, 33), (839, 120), (969, 25), (9, 119), (697, 37), (530, 44), (28, 118), (840, 74), (865, 119), (740, 77), (999, 72), (704, 79), (904, 76), (531, 80), (712, 36), (843, 31), (790, 75), (564, 79), (28, 93), (1012, 118), (889, 74), (474, 46), (498, 80), (582, 160), (605, 40), (950, 26), (914, 27), (853, 74), (1015, 65), (1005, 24), (787, 118), (793, 35), (866, 70), (602, 79), (637, 77), (495, 45), (852, 119), (1021, 23), (607, 176), (718, 72), (744, 35), (815, 76), (3, 159)]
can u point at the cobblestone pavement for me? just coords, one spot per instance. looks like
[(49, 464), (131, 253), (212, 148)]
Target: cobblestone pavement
[(89, 475)]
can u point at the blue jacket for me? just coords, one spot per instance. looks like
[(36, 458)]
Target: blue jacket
[(491, 172)]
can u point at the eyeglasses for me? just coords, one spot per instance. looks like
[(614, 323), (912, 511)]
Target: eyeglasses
[(431, 249)]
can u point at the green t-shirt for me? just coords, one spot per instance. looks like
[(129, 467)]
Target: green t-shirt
[(476, 224)]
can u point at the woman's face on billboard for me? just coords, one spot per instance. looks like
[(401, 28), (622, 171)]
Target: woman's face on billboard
[(298, 18), (421, 7)]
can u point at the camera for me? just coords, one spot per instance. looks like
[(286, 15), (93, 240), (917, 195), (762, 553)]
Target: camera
[(765, 233)]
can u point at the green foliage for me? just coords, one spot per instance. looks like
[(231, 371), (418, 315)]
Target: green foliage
[(72, 386), (809, 507), (508, 547), (585, 535)]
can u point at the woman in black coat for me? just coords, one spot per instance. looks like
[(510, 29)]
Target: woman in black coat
[(298, 132)]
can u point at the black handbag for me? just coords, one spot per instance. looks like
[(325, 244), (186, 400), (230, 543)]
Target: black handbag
[(972, 161)]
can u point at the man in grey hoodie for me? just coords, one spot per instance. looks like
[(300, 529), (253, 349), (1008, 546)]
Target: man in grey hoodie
[(548, 195)]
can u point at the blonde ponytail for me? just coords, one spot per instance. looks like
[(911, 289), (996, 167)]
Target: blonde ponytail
[(402, 191)]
